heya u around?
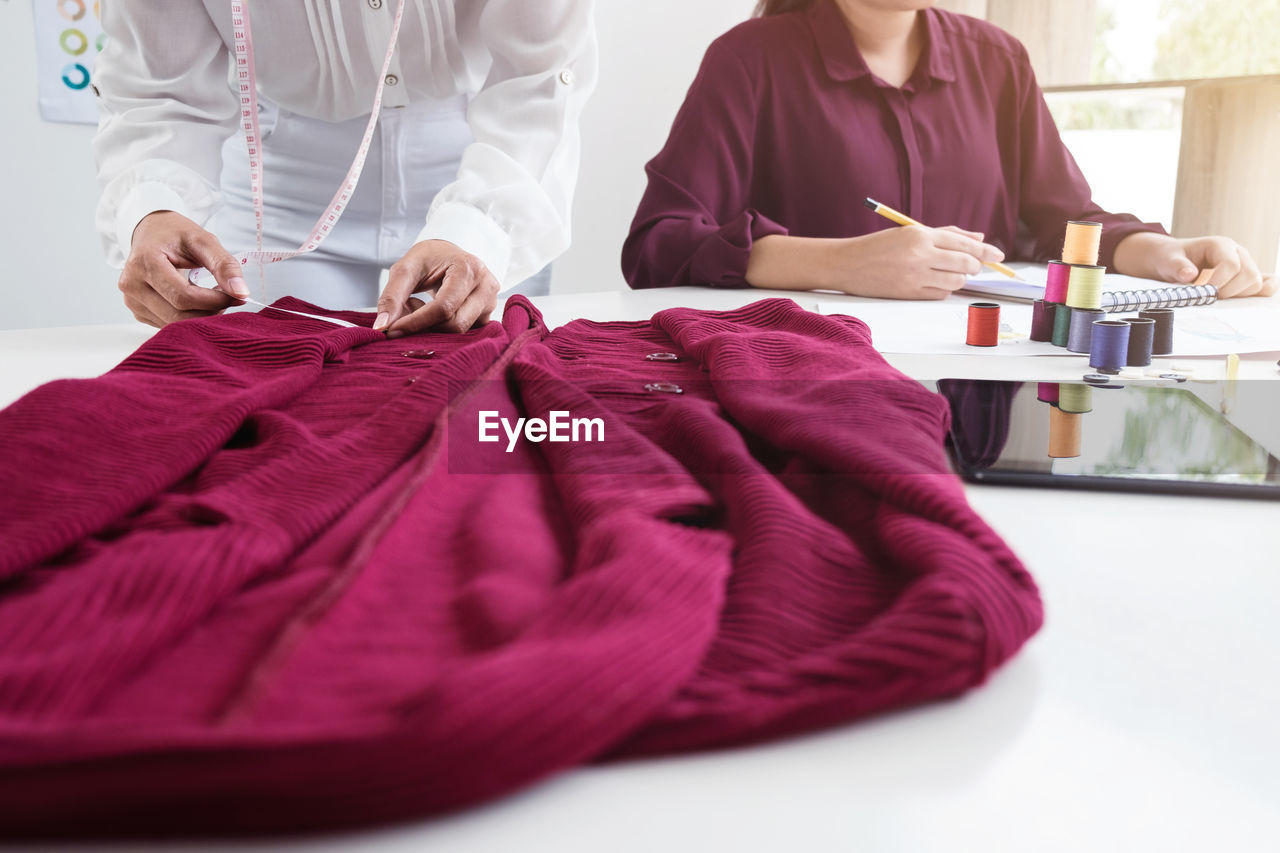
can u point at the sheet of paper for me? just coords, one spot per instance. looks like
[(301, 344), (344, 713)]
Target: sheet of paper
[(991, 283), (1244, 326)]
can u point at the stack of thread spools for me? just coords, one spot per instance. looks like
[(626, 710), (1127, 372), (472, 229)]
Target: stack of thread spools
[(1071, 314), (1068, 404)]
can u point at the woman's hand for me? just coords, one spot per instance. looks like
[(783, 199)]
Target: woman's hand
[(913, 262), (465, 291), (154, 279), (1169, 259)]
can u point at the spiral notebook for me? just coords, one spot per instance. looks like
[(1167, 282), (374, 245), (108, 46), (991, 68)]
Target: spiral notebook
[(1125, 293)]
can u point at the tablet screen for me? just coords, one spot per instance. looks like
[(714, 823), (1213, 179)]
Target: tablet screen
[(1143, 436)]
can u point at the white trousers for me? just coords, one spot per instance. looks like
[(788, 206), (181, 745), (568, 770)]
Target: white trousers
[(414, 153)]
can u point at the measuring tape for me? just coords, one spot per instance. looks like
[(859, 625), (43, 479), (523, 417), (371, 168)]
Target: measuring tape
[(247, 81)]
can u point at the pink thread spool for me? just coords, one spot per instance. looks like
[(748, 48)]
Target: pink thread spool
[(1055, 289)]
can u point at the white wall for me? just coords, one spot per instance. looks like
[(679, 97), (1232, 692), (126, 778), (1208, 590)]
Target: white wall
[(650, 51), (53, 272)]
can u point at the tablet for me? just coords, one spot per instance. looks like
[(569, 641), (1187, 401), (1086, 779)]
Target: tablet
[(1161, 436)]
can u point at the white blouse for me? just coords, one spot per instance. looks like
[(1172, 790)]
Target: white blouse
[(528, 67)]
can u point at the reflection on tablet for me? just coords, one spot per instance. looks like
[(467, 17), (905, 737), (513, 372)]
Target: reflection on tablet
[(1139, 436)]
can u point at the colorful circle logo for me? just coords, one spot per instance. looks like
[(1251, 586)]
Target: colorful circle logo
[(74, 42), (73, 10), (76, 76)]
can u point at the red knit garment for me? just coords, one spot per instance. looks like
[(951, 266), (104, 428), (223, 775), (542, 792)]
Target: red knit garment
[(262, 576)]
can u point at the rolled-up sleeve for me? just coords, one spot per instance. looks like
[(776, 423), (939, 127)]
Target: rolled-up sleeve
[(1053, 189), (510, 205), (165, 109), (695, 225)]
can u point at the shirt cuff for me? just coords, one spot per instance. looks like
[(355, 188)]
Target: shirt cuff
[(721, 260), (470, 230), (144, 199)]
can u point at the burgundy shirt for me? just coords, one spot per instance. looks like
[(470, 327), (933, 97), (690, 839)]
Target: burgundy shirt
[(263, 575), (786, 131)]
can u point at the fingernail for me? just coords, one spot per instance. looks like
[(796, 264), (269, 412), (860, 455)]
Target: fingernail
[(238, 287), (381, 322)]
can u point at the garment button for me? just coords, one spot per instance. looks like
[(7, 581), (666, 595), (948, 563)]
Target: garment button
[(392, 79), (375, 4), (664, 388), (567, 77), (419, 354), (662, 356)]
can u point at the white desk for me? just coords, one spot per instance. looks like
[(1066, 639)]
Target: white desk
[(1144, 716)]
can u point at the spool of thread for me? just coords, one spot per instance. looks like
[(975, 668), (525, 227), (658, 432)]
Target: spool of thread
[(1162, 343), (1047, 392), (984, 324), (1061, 325), (1110, 346), (1084, 290), (1042, 320), (1055, 288), (1084, 239), (1064, 434), (1075, 398), (1080, 336), (1142, 332)]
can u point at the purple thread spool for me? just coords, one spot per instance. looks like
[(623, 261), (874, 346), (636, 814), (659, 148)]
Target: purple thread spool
[(1163, 341), (1110, 346), (1047, 392), (1142, 332), (1055, 288), (1042, 321), (1080, 334)]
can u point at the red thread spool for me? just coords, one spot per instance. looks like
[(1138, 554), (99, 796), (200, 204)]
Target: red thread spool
[(984, 324)]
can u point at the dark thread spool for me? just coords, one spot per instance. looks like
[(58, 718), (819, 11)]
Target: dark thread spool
[(1042, 321), (984, 324), (1142, 335), (1080, 335), (1061, 325), (1162, 343), (1110, 346)]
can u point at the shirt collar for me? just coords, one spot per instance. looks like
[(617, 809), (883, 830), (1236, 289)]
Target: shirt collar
[(844, 61)]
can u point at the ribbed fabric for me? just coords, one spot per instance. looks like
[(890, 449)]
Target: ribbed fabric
[(262, 576)]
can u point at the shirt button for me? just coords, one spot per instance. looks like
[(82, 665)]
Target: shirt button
[(375, 4), (567, 77), (664, 388), (662, 356), (392, 79)]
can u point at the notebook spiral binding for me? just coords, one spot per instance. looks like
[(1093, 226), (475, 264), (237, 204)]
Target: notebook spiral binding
[(1172, 296)]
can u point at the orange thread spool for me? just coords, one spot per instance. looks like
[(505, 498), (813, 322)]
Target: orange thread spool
[(984, 324), (1064, 434), (1083, 243)]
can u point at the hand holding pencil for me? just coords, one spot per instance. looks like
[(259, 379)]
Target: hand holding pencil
[(902, 219), (893, 263)]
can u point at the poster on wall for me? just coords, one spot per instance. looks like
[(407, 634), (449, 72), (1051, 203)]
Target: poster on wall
[(68, 38)]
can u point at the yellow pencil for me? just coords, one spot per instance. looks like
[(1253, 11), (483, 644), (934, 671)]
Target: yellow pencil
[(902, 219)]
